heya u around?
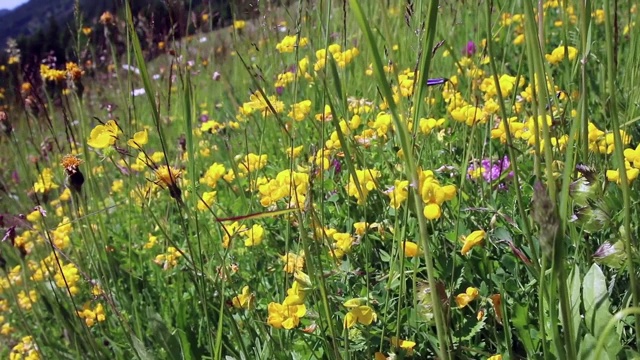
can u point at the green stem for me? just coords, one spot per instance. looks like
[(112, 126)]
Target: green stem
[(619, 157)]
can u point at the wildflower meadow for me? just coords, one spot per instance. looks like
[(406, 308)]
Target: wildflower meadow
[(327, 180)]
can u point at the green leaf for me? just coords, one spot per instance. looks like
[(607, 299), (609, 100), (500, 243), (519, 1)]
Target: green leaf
[(521, 321), (587, 346), (140, 349), (596, 305), (574, 298)]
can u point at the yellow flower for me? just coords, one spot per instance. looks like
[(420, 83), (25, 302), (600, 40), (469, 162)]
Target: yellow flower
[(406, 345), (244, 300), (295, 295), (104, 135), (293, 262), (45, 182), (151, 242), (558, 54), (231, 230), (285, 316), (474, 239), (91, 316), (213, 174), (288, 43), (25, 301), (362, 314), (614, 175), (167, 176), (633, 156), (140, 138), (398, 193), (410, 248), (367, 180), (360, 227), (169, 259), (253, 236), (300, 110), (495, 357), (239, 24), (251, 163), (207, 200), (465, 298)]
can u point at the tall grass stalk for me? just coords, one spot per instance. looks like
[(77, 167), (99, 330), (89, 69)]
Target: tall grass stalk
[(610, 11), (410, 166)]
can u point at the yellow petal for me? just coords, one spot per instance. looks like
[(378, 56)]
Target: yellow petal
[(410, 249), (140, 138), (432, 211)]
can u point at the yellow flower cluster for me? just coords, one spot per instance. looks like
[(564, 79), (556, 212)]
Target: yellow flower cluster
[(45, 181), (92, 316), (342, 58), (26, 349), (287, 183), (632, 166), (358, 313), (293, 262), (68, 278), (169, 259), (251, 163), (289, 43), (244, 300), (258, 103), (287, 315), (367, 179), (433, 194)]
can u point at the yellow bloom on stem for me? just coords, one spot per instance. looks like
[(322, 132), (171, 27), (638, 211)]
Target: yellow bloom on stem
[(632, 174), (295, 295), (285, 316), (231, 230), (474, 239), (140, 138), (244, 300), (45, 181), (360, 227), (406, 345), (289, 42), (293, 262), (558, 54), (367, 180), (300, 110), (633, 156), (167, 177), (239, 24), (207, 200), (398, 193), (410, 248), (103, 136), (169, 259), (465, 298), (253, 236), (362, 314)]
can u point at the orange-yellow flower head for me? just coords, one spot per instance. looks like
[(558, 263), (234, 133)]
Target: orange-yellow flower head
[(167, 176)]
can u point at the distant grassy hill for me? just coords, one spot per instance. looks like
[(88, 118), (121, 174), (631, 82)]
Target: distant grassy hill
[(28, 18)]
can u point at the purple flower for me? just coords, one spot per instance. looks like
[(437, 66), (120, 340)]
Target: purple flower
[(493, 171), (337, 166), (279, 90), (470, 49)]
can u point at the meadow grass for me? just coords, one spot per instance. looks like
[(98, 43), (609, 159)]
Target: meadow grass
[(331, 180)]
